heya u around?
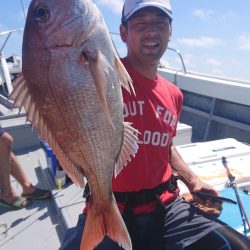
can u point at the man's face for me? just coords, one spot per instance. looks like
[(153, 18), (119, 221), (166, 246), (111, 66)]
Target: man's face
[(147, 34)]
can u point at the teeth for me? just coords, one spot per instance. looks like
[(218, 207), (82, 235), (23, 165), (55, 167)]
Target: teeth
[(151, 44)]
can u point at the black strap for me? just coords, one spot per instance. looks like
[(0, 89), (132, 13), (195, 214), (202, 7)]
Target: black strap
[(146, 196)]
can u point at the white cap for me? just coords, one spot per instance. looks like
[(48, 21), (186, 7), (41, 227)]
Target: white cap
[(131, 6)]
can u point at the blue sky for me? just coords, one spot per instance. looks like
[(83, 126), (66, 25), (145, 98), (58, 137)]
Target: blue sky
[(212, 36)]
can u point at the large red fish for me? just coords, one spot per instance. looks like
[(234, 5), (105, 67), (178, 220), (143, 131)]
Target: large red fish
[(71, 90)]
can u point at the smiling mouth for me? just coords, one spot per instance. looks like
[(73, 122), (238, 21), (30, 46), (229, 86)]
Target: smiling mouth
[(151, 44)]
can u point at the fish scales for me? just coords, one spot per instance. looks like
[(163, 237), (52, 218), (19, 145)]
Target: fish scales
[(81, 106), (70, 88)]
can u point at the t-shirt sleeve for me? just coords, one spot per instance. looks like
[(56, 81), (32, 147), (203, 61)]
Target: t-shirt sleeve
[(178, 101)]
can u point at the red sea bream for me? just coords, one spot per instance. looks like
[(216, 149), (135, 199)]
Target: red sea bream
[(70, 88)]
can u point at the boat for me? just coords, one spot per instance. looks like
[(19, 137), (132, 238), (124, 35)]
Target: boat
[(213, 125), (214, 107), (9, 66)]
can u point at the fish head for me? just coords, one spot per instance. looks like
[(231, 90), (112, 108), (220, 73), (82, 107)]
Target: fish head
[(53, 24), (61, 35), (56, 25)]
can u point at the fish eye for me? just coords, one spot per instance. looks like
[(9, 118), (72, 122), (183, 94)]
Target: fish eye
[(41, 14)]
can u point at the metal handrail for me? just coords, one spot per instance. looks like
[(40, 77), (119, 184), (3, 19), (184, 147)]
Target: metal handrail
[(3, 62), (8, 33), (181, 58)]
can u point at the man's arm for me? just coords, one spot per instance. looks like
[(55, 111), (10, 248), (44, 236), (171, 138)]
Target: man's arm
[(195, 185), (186, 175)]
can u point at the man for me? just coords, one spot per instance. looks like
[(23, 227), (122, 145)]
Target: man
[(146, 192), (9, 165)]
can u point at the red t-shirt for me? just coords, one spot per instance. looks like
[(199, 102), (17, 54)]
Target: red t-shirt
[(154, 111)]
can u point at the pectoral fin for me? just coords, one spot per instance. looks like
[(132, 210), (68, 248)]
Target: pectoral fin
[(129, 147), (99, 67)]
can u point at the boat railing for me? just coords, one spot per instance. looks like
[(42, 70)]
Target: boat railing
[(5, 74), (180, 57)]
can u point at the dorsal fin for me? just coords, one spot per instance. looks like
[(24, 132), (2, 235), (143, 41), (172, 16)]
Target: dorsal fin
[(21, 97), (123, 76)]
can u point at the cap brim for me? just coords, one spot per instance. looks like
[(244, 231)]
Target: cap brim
[(142, 6)]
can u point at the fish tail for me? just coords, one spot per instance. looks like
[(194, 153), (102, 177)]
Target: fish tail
[(108, 222)]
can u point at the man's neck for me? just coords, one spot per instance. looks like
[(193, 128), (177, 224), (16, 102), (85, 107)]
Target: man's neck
[(149, 70)]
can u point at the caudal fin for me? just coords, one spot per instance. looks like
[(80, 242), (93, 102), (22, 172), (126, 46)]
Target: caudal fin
[(106, 222)]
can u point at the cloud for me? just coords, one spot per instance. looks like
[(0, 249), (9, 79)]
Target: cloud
[(204, 15), (244, 42), (213, 62), (203, 42), (229, 15), (215, 66), (115, 6), (236, 62), (190, 61)]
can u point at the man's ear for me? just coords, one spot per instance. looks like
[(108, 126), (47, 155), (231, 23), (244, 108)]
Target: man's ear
[(170, 33), (123, 33)]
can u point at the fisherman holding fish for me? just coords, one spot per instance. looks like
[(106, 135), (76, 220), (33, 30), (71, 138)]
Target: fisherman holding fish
[(120, 140), (145, 190)]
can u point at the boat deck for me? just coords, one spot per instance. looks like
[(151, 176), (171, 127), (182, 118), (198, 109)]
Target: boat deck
[(44, 222)]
